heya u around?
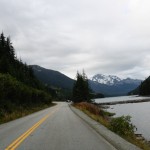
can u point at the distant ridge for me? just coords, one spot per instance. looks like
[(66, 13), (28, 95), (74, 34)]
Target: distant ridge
[(52, 78), (114, 80), (104, 79), (143, 89), (108, 85), (112, 85)]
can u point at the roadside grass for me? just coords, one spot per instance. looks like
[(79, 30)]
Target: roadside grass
[(19, 112), (120, 125), (93, 111)]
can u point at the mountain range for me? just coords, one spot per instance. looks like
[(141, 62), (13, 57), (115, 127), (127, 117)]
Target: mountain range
[(108, 85), (112, 85), (113, 80)]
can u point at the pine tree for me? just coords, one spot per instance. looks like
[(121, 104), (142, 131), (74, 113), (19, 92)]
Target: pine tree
[(10, 49), (4, 63), (11, 65), (81, 90), (2, 40)]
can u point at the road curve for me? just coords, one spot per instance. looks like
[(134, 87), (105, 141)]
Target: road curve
[(55, 128)]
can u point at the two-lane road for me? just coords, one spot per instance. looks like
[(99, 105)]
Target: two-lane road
[(55, 128)]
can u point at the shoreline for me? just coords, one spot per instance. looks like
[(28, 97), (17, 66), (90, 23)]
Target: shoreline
[(116, 140), (123, 102)]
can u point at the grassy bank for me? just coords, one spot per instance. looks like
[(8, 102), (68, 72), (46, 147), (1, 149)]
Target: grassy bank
[(121, 125), (19, 112)]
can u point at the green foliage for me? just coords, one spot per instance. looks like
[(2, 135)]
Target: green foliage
[(53, 78), (16, 93), (145, 87), (18, 85), (20, 111), (122, 126), (10, 64), (15, 97), (58, 83), (81, 90)]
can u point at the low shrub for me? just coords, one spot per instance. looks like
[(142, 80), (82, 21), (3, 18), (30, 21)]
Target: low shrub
[(122, 126)]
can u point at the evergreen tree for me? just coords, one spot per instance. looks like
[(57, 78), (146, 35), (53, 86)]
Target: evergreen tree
[(11, 65), (10, 49), (2, 40), (81, 90), (144, 88), (19, 88), (4, 63)]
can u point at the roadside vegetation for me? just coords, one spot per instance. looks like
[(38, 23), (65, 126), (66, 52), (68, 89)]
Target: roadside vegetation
[(20, 111), (120, 125), (17, 99), (20, 92)]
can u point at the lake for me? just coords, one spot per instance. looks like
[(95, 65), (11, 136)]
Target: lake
[(140, 112), (120, 98)]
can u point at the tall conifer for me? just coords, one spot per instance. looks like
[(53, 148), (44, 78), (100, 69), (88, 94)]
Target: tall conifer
[(81, 90)]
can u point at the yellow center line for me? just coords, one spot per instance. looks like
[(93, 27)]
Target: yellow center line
[(19, 140)]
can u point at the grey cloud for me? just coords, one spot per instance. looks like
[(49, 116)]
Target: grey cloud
[(108, 36)]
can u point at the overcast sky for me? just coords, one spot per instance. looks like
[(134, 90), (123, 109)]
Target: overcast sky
[(99, 36)]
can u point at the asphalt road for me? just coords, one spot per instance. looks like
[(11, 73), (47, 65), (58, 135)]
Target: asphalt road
[(55, 128)]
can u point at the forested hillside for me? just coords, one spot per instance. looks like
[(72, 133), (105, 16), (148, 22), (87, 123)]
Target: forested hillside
[(144, 88), (19, 88), (9, 64), (53, 78), (59, 81)]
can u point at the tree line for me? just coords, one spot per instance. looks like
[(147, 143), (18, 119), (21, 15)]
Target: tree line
[(9, 64), (81, 90), (144, 88), (18, 85)]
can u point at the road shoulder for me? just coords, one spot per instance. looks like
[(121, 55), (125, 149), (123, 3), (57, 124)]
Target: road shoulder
[(118, 142)]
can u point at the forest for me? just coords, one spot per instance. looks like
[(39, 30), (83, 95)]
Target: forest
[(144, 88), (19, 87)]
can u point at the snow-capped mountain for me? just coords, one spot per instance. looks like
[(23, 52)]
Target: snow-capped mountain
[(113, 80), (104, 79), (112, 85)]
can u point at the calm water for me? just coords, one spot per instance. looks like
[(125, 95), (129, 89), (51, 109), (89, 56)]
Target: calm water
[(140, 113)]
